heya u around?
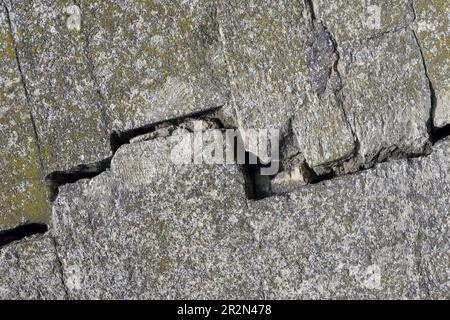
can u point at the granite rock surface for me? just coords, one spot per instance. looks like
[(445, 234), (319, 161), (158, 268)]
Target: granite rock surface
[(101, 106)]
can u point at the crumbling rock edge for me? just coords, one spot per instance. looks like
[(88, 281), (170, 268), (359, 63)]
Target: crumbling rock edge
[(87, 171)]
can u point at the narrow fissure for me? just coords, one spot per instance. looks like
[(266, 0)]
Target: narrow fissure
[(83, 171), (119, 138), (20, 232), (257, 186), (441, 133), (25, 88)]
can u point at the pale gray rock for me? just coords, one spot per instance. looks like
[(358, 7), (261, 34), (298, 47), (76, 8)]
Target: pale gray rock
[(265, 49), (381, 233), (349, 84), (165, 224), (432, 29), (322, 129), (354, 19), (155, 59), (386, 96), (30, 269), (280, 63), (150, 229)]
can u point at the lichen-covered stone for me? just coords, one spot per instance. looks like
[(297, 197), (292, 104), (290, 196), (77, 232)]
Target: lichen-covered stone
[(22, 192), (386, 96), (155, 59), (69, 113), (432, 29), (346, 82), (356, 19), (30, 269)]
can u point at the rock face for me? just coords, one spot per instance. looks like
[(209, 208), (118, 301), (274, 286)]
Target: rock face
[(23, 192), (381, 233), (104, 102), (30, 269), (432, 27), (387, 100)]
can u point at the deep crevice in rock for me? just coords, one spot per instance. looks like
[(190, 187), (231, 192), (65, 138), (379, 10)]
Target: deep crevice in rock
[(24, 87), (257, 186), (83, 171), (441, 133), (20, 232), (119, 138)]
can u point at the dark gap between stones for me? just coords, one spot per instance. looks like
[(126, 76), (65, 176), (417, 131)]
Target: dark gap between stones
[(20, 232), (257, 186), (83, 171), (441, 133), (87, 171), (119, 138)]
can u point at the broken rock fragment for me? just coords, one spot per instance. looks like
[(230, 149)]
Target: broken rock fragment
[(386, 96), (280, 64), (149, 223)]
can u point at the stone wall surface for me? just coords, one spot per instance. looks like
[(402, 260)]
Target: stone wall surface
[(95, 97)]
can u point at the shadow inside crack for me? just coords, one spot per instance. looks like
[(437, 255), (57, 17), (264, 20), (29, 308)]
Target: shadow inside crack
[(441, 133), (83, 171), (119, 138), (20, 232)]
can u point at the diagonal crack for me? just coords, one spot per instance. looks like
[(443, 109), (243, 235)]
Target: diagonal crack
[(60, 267), (118, 138), (25, 87), (101, 99), (430, 124)]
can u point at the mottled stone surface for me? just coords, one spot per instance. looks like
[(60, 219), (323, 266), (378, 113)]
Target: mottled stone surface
[(280, 63), (432, 29), (68, 112), (22, 191), (155, 59), (386, 95), (322, 129), (167, 224), (265, 45), (30, 270), (354, 19), (349, 84), (382, 233)]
